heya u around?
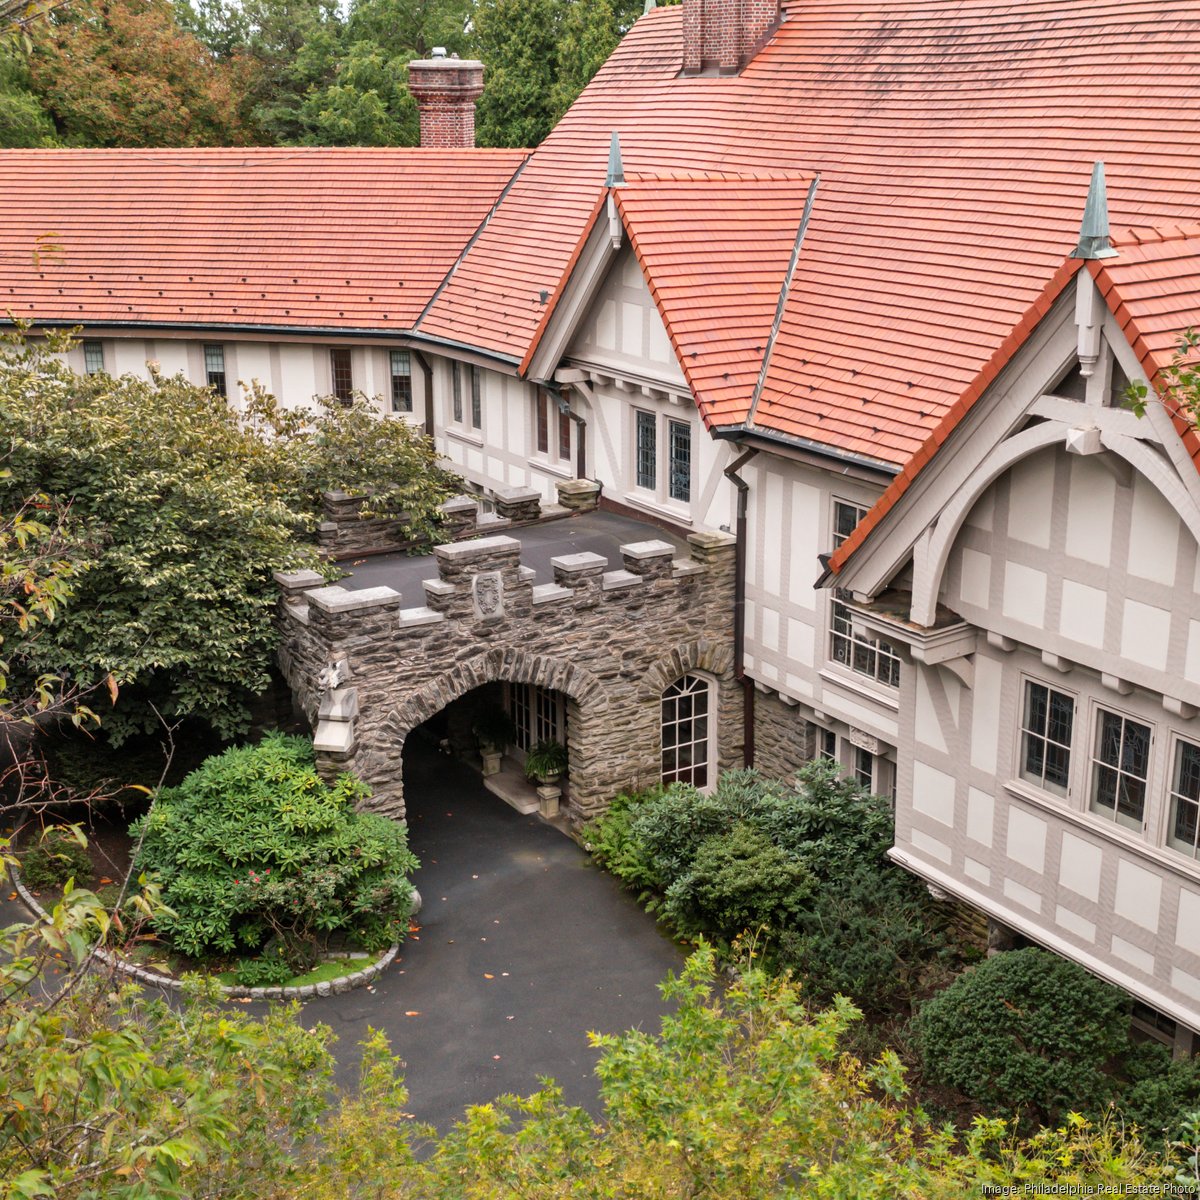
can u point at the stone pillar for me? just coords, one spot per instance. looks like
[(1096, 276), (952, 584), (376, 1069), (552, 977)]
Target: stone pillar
[(460, 516), (519, 504), (583, 574), (651, 560), (481, 581), (578, 495)]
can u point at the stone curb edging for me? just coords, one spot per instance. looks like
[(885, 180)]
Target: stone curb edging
[(344, 983)]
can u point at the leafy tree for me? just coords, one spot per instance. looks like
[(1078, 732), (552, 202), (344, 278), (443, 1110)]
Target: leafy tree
[(366, 104), (254, 849), (1028, 1032), (183, 511), (24, 123), (124, 73)]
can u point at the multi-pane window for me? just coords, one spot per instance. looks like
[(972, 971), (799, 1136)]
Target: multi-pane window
[(564, 434), (456, 397), (342, 375), (1183, 832), (1120, 764), (845, 517), (400, 364), (827, 745), (646, 450), (864, 768), (679, 463), (93, 357), (871, 656), (476, 398), (214, 369), (542, 421), (1047, 723), (685, 717), (538, 714)]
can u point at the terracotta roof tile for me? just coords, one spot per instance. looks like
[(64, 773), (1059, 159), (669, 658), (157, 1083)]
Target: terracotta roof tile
[(332, 238), (954, 139)]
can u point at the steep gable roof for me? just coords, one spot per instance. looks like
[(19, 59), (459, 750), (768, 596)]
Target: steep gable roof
[(311, 238), (954, 139), (1152, 288)]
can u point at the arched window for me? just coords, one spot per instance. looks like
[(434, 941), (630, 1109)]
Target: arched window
[(686, 729)]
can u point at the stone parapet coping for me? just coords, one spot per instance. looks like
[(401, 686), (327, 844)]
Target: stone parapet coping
[(344, 983)]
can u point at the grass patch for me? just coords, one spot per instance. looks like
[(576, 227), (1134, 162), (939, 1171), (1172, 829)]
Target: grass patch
[(334, 968)]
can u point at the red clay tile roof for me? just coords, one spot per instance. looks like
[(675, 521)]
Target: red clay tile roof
[(329, 238), (955, 140), (1152, 289), (715, 251)]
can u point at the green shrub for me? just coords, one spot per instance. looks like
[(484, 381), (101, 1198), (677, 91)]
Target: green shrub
[(253, 847), (738, 881), (609, 839), (58, 855), (267, 971), (1027, 1033), (1161, 1091), (671, 826)]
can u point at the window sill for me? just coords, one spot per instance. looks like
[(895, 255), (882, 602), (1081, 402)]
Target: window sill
[(1110, 831), (462, 435), (561, 468), (679, 515), (857, 684)]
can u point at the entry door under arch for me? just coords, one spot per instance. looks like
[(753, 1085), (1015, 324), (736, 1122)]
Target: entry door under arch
[(687, 728)]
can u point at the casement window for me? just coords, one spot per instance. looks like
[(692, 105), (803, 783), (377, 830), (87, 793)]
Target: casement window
[(827, 745), (456, 394), (214, 369), (1120, 766), (476, 398), (564, 435), (845, 517), (541, 413), (646, 450), (873, 657), (864, 768), (341, 373), (685, 720), (679, 460), (93, 357), (1047, 728), (400, 365), (1183, 830)]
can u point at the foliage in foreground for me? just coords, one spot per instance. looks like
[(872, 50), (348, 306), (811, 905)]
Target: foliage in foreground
[(804, 867), (180, 512), (744, 1095), (1031, 1033), (254, 850)]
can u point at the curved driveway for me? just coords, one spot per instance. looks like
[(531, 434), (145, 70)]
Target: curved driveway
[(524, 946)]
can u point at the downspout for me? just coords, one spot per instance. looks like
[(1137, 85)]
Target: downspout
[(739, 604), (564, 405), (427, 371)]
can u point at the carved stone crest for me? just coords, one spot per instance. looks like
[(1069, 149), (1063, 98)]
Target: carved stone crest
[(863, 740), (488, 593)]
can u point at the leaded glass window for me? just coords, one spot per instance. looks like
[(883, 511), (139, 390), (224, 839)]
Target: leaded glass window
[(1184, 829), (214, 369), (93, 357), (1047, 724), (680, 460), (647, 450), (400, 364), (1120, 765)]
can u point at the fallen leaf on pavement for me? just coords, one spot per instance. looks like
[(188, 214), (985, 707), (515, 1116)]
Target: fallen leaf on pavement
[(487, 976), (412, 1013)]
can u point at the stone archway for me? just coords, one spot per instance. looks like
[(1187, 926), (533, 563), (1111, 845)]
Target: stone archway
[(367, 671), (588, 697)]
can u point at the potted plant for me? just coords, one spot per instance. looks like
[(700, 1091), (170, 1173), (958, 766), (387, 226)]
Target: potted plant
[(546, 762), (494, 729)]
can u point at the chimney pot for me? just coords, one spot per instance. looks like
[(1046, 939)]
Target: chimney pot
[(445, 90)]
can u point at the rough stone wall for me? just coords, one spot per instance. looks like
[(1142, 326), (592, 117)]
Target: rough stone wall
[(783, 740), (367, 670)]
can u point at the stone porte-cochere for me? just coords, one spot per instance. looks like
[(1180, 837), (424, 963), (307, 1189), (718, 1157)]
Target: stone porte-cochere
[(368, 671)]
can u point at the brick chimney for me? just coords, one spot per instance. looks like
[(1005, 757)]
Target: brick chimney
[(721, 36), (445, 90)]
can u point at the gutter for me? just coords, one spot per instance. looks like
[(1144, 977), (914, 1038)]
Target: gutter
[(581, 425), (739, 604), (427, 371), (875, 467)]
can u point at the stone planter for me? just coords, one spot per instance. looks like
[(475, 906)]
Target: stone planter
[(548, 799), (491, 761)]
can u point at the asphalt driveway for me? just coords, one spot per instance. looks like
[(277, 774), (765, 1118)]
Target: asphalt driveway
[(524, 946)]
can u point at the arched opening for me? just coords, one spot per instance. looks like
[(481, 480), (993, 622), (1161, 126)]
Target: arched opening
[(687, 720), (514, 734)]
